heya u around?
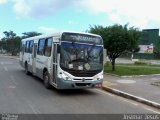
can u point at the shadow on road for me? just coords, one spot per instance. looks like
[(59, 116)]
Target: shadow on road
[(67, 92)]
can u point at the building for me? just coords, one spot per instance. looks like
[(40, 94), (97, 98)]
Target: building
[(150, 40)]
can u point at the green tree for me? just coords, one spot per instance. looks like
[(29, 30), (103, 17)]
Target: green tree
[(134, 35), (12, 42), (118, 39), (9, 35), (30, 34)]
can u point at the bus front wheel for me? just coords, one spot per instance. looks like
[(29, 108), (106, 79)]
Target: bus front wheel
[(46, 79)]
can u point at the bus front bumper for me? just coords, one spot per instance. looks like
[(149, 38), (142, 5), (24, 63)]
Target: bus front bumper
[(68, 84)]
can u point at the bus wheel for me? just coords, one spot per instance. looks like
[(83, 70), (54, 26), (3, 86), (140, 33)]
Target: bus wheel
[(26, 69), (46, 79)]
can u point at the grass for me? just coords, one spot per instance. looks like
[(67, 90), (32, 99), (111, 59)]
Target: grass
[(133, 69)]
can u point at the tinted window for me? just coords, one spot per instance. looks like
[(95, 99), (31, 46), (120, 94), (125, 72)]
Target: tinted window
[(48, 47), (27, 46), (30, 46), (41, 46)]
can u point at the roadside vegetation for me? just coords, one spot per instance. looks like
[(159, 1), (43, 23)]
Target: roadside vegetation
[(11, 43), (133, 69), (118, 39)]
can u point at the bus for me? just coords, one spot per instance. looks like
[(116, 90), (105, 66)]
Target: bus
[(64, 60)]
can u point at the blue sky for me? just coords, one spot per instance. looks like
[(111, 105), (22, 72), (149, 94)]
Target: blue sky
[(75, 15)]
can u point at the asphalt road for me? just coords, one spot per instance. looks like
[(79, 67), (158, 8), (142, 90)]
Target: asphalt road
[(20, 93)]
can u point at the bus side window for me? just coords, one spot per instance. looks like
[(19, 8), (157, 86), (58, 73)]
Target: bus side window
[(23, 48), (30, 46), (41, 45), (48, 47), (27, 47)]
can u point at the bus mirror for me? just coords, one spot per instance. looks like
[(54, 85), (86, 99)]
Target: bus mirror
[(58, 48)]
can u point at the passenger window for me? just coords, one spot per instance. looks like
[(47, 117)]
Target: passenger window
[(27, 46), (48, 47), (31, 46), (41, 46)]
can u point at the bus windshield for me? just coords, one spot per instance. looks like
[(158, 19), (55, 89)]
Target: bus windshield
[(81, 57)]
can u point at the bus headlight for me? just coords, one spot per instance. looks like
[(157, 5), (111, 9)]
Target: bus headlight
[(100, 77), (65, 77)]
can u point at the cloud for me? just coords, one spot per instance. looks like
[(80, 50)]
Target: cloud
[(21, 8), (136, 12), (3, 1), (140, 13), (46, 30), (39, 9)]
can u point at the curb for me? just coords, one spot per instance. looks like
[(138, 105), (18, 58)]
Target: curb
[(139, 76), (132, 97), (112, 74), (131, 76)]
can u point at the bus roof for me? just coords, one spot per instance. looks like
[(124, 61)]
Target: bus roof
[(58, 34)]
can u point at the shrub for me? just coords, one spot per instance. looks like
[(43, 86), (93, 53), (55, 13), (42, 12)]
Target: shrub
[(142, 63)]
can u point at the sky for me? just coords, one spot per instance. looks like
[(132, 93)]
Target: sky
[(47, 16)]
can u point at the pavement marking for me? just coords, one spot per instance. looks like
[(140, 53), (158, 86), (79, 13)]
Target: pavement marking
[(5, 68), (125, 81), (105, 93), (12, 86), (35, 111), (13, 80), (109, 83), (152, 110), (6, 63), (135, 104), (155, 79)]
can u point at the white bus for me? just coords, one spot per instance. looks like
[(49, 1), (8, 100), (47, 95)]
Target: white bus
[(66, 60)]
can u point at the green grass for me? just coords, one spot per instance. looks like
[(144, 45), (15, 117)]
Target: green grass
[(132, 69)]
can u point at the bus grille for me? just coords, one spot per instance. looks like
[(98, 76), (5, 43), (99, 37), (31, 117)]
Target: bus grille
[(82, 79), (83, 74)]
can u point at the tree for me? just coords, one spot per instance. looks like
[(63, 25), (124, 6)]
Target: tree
[(9, 34), (30, 34), (118, 39), (12, 42), (134, 35)]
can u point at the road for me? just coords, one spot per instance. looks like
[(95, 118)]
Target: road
[(20, 93)]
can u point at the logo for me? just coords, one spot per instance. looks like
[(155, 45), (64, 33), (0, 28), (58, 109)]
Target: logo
[(83, 79)]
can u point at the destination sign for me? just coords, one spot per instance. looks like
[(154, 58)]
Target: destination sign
[(82, 38)]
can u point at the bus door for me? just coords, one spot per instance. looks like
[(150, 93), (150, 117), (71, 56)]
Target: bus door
[(54, 63), (34, 58)]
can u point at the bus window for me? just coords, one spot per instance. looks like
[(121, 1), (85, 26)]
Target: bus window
[(27, 46), (41, 45), (30, 46), (48, 47)]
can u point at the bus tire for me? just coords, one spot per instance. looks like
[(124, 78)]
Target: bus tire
[(46, 79), (26, 69)]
